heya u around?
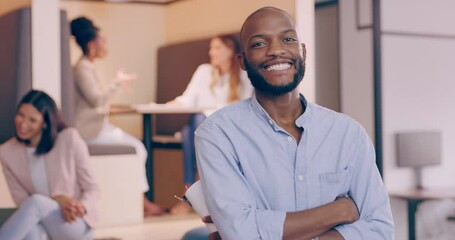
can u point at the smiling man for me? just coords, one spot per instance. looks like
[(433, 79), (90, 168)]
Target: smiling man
[(278, 167)]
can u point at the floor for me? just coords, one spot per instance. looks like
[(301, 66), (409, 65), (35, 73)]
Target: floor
[(167, 227)]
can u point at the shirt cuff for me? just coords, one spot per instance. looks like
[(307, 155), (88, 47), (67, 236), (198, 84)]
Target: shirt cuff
[(270, 224)]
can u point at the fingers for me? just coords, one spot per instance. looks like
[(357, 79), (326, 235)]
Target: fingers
[(71, 208), (69, 215), (207, 219), (350, 207), (123, 77), (80, 210)]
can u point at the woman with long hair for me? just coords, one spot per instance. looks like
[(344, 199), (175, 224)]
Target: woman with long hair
[(212, 86), (46, 166)]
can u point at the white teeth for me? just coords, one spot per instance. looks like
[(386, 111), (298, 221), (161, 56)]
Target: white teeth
[(278, 67)]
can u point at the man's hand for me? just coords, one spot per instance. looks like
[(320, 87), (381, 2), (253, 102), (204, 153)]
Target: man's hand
[(350, 209), (71, 208), (310, 223), (213, 235)]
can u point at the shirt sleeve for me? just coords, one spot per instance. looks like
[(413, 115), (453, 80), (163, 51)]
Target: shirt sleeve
[(199, 83), (18, 192), (368, 192), (89, 86), (230, 202)]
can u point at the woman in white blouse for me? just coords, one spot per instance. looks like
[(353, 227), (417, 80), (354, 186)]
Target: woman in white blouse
[(212, 86)]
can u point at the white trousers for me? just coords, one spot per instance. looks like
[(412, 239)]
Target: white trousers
[(40, 218)]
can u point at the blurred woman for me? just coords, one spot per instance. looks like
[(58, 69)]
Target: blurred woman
[(92, 98), (46, 166), (212, 86)]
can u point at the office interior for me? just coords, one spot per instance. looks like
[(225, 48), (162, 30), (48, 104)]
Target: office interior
[(398, 79)]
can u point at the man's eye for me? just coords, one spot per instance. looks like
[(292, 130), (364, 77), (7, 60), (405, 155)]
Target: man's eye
[(257, 44), (290, 39)]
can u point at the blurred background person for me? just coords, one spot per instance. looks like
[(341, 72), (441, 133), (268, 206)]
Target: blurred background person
[(212, 86), (92, 98), (46, 166)]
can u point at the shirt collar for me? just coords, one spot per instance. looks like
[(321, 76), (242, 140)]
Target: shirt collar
[(264, 115), (86, 63)]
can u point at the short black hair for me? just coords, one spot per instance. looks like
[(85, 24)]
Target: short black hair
[(51, 116), (84, 31)]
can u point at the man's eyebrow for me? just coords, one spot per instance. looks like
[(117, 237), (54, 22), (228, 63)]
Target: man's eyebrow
[(258, 36), (264, 35), (289, 31)]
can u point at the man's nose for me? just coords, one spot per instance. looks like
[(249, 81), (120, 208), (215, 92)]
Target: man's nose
[(275, 49)]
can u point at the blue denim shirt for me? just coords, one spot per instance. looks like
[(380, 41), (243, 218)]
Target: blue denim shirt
[(253, 172)]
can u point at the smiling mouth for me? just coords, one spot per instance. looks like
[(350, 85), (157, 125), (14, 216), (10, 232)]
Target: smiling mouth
[(22, 132), (278, 67)]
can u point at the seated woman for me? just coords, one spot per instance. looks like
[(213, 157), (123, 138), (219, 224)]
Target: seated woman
[(212, 86), (46, 166), (92, 98)]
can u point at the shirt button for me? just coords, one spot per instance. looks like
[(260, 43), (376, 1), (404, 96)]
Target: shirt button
[(300, 177), (271, 122), (289, 138)]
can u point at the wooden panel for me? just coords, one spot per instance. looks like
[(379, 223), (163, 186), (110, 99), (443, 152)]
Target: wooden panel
[(168, 176), (176, 65)]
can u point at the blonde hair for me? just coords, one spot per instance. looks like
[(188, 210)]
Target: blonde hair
[(233, 43)]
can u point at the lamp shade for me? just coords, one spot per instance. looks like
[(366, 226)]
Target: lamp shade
[(418, 149)]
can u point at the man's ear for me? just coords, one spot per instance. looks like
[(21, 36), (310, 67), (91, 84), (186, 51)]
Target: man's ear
[(303, 51), (240, 59)]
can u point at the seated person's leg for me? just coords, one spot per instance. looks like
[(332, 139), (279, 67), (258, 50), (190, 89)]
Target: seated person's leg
[(37, 232), (26, 218), (39, 210), (189, 173)]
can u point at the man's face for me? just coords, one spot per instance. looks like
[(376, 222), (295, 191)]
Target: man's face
[(272, 53)]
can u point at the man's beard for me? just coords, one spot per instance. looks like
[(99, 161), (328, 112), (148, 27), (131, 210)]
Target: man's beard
[(259, 82)]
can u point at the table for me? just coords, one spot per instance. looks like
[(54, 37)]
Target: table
[(115, 109), (147, 110), (416, 196)]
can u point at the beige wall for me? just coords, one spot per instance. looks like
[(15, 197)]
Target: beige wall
[(10, 5), (417, 95), (46, 74), (194, 19), (356, 64), (134, 33), (304, 16)]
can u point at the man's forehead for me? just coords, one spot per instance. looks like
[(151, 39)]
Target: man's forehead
[(264, 18)]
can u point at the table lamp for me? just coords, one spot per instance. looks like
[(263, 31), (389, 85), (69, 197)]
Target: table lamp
[(417, 150)]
